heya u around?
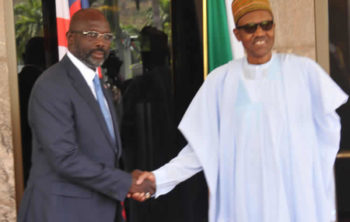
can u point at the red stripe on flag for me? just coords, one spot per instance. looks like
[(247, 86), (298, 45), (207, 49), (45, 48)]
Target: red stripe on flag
[(62, 28), (99, 71), (74, 7)]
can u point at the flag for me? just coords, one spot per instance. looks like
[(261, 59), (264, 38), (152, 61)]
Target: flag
[(219, 42), (236, 47), (64, 11)]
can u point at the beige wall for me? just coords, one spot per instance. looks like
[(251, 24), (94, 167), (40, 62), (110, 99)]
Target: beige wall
[(300, 30), (296, 32), (8, 109), (295, 26)]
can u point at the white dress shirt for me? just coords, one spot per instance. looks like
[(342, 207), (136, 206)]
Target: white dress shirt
[(87, 73)]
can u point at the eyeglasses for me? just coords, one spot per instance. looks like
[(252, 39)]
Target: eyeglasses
[(93, 35), (252, 27)]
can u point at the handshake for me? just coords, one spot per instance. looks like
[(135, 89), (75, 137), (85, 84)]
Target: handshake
[(143, 185)]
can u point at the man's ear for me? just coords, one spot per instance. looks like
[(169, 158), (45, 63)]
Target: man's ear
[(237, 34), (68, 36)]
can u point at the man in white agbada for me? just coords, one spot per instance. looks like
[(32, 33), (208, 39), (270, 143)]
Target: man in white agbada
[(264, 130)]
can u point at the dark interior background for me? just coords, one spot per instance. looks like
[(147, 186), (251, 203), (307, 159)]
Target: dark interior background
[(339, 40)]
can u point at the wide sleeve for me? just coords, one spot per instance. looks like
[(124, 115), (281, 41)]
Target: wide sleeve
[(179, 169), (200, 127), (326, 97)]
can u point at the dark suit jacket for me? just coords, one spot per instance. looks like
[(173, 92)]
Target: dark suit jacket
[(74, 175)]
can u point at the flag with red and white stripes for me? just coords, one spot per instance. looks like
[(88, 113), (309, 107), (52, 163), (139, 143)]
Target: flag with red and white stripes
[(64, 11)]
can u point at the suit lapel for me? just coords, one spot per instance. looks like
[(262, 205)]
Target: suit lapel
[(83, 89)]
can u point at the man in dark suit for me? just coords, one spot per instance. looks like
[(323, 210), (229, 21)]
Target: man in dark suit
[(76, 144)]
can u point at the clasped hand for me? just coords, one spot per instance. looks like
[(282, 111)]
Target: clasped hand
[(143, 185)]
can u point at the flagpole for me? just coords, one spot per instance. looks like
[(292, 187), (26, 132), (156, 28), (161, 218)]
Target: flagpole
[(205, 39)]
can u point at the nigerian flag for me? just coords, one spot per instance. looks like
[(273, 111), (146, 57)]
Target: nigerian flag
[(220, 45)]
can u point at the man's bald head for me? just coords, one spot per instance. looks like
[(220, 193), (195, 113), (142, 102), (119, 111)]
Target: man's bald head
[(84, 15)]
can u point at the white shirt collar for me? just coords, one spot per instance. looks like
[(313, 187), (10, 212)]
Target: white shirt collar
[(87, 73), (257, 71)]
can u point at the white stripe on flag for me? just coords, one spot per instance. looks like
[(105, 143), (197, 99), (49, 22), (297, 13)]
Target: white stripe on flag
[(62, 12), (236, 46), (62, 9), (62, 50)]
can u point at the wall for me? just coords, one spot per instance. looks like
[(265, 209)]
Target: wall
[(295, 26), (300, 30), (8, 93)]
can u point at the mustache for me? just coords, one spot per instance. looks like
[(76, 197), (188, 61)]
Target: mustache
[(105, 53)]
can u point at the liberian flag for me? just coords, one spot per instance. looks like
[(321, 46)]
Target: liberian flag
[(220, 44), (64, 11)]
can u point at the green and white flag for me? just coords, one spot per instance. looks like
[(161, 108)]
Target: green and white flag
[(222, 46), (236, 46)]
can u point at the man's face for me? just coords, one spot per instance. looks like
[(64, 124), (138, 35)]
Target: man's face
[(258, 44), (91, 51)]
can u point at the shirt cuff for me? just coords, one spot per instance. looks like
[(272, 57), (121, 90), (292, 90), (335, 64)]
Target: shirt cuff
[(162, 187)]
